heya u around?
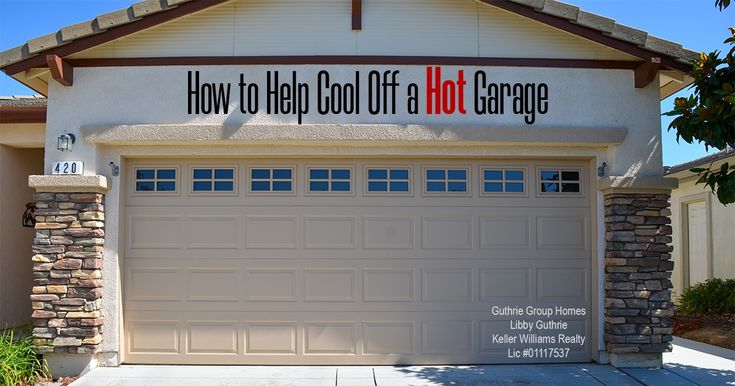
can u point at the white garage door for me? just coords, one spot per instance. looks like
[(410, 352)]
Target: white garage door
[(347, 262)]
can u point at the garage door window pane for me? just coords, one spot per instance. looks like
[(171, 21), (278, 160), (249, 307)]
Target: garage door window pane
[(457, 187), (271, 180), (155, 180), (145, 174), (338, 180), (456, 175), (560, 181), (282, 174), (340, 174), (341, 186), (145, 186), (399, 186), (166, 174), (282, 186), (503, 181), (224, 186), (493, 187), (224, 174), (319, 174), (202, 173), (436, 186), (202, 186), (446, 180), (165, 186), (213, 180), (260, 173), (319, 186), (377, 186), (388, 180), (377, 174), (514, 187)]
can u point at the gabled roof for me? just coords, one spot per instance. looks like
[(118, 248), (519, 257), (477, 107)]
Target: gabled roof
[(149, 13), (705, 161)]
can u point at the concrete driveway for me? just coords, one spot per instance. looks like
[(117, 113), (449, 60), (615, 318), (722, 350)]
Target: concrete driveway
[(690, 364)]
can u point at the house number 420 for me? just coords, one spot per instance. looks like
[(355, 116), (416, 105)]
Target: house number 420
[(68, 167)]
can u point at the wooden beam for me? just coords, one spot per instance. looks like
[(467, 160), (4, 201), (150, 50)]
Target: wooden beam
[(646, 72), (354, 60), (356, 15), (22, 114), (61, 70)]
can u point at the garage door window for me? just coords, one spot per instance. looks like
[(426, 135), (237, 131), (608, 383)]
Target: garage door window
[(213, 180), (330, 180), (503, 181), (446, 180), (560, 181), (155, 180), (271, 180), (388, 180)]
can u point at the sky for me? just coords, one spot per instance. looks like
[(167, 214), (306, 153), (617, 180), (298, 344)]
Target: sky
[(698, 25)]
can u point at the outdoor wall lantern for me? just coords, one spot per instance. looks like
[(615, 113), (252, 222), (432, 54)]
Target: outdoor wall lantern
[(65, 142)]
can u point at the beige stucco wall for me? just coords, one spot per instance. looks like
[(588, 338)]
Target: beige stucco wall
[(16, 277), (721, 222), (23, 134)]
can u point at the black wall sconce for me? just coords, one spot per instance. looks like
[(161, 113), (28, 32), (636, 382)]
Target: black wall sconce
[(65, 142)]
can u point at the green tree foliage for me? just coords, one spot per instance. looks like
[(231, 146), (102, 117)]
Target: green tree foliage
[(708, 116)]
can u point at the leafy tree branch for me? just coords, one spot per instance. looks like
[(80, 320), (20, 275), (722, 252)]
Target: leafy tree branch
[(708, 116)]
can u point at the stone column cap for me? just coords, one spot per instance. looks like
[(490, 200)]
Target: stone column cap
[(68, 183), (642, 184)]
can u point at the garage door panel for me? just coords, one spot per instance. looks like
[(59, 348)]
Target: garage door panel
[(557, 283), (213, 285), (359, 279), (389, 232), (329, 285), (511, 285), (447, 337), (327, 232), (212, 232), (154, 232), (153, 336), (388, 285), (505, 232), (278, 338), (562, 232), (271, 285), (447, 232), (389, 337), (207, 337), (447, 285), (271, 232), (153, 284)]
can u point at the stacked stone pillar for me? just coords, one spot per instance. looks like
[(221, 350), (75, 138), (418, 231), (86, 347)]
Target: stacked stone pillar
[(67, 262), (638, 265)]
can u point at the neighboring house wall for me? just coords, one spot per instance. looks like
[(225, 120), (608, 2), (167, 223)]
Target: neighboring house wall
[(16, 276), (704, 245)]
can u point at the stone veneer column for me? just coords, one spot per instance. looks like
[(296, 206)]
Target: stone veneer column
[(67, 262), (638, 269)]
